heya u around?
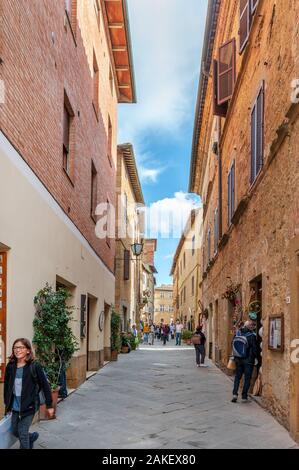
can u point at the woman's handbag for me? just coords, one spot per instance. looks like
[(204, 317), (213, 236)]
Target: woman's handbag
[(196, 340), (231, 364)]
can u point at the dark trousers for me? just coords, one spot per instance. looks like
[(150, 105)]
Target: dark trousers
[(246, 369), (165, 339), (200, 353), (20, 429)]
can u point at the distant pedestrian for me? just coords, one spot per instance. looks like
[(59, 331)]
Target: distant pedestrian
[(199, 341), (172, 330), (245, 354), (146, 332), (178, 333), (166, 331), (152, 335), (21, 392)]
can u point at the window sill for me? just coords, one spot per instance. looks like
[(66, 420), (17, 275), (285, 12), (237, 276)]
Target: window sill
[(68, 177), (242, 206)]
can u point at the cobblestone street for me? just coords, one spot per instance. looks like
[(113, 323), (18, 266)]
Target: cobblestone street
[(156, 398)]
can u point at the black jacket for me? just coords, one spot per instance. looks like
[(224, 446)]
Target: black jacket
[(202, 340), (30, 389)]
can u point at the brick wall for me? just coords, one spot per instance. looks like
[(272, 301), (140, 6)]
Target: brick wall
[(258, 243), (43, 57)]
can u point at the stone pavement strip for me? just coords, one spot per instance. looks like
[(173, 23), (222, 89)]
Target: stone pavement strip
[(156, 398)]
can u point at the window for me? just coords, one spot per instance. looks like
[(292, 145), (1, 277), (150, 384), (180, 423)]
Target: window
[(109, 153), (226, 71), (247, 10), (192, 285), (231, 193), (94, 191), (71, 11), (67, 128), (193, 245), (111, 80), (95, 99), (184, 260), (126, 265), (209, 246), (216, 231), (257, 136), (98, 13), (185, 294), (218, 110)]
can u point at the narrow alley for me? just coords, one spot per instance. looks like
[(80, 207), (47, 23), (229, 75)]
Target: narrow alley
[(156, 398)]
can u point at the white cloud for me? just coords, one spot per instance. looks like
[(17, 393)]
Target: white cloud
[(148, 175), (168, 217), (169, 256), (166, 40)]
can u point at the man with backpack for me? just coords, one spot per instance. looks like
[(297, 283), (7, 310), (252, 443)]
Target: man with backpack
[(199, 341), (245, 354)]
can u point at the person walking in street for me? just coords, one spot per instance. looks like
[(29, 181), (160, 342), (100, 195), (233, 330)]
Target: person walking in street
[(146, 332), (152, 335), (199, 341), (172, 330), (21, 391), (166, 331), (178, 333), (245, 353)]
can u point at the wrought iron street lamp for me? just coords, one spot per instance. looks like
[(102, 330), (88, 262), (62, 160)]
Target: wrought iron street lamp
[(137, 249)]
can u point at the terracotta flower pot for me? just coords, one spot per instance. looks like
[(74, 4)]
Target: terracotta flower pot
[(125, 349), (114, 355), (43, 414)]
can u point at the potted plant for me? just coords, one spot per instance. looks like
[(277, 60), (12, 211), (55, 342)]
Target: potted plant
[(53, 339), (125, 344), (115, 335), (186, 336)]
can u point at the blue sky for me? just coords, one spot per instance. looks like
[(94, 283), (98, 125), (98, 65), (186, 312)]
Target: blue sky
[(167, 37)]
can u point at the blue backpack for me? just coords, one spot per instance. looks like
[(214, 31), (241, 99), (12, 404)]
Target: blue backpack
[(240, 345)]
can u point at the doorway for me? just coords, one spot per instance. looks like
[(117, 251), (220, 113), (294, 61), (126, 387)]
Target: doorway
[(125, 319), (3, 313), (256, 306)]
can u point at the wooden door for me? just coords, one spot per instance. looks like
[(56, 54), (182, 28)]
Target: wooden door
[(3, 301)]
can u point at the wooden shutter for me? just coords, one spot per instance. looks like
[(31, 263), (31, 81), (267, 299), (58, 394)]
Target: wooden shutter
[(217, 110), (83, 316), (126, 265), (233, 190), (253, 145), (245, 22), (257, 135), (260, 131), (226, 71), (66, 128), (231, 194)]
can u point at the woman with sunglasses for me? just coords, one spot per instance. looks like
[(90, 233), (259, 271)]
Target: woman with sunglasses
[(21, 391)]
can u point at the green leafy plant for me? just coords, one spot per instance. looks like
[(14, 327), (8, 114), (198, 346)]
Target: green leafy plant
[(115, 331), (53, 338), (186, 335)]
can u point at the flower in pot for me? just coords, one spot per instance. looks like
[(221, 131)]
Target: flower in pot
[(53, 339), (125, 344)]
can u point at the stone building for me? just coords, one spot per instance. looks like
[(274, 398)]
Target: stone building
[(245, 166), (164, 311), (186, 272), (148, 280), (128, 269), (65, 66)]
